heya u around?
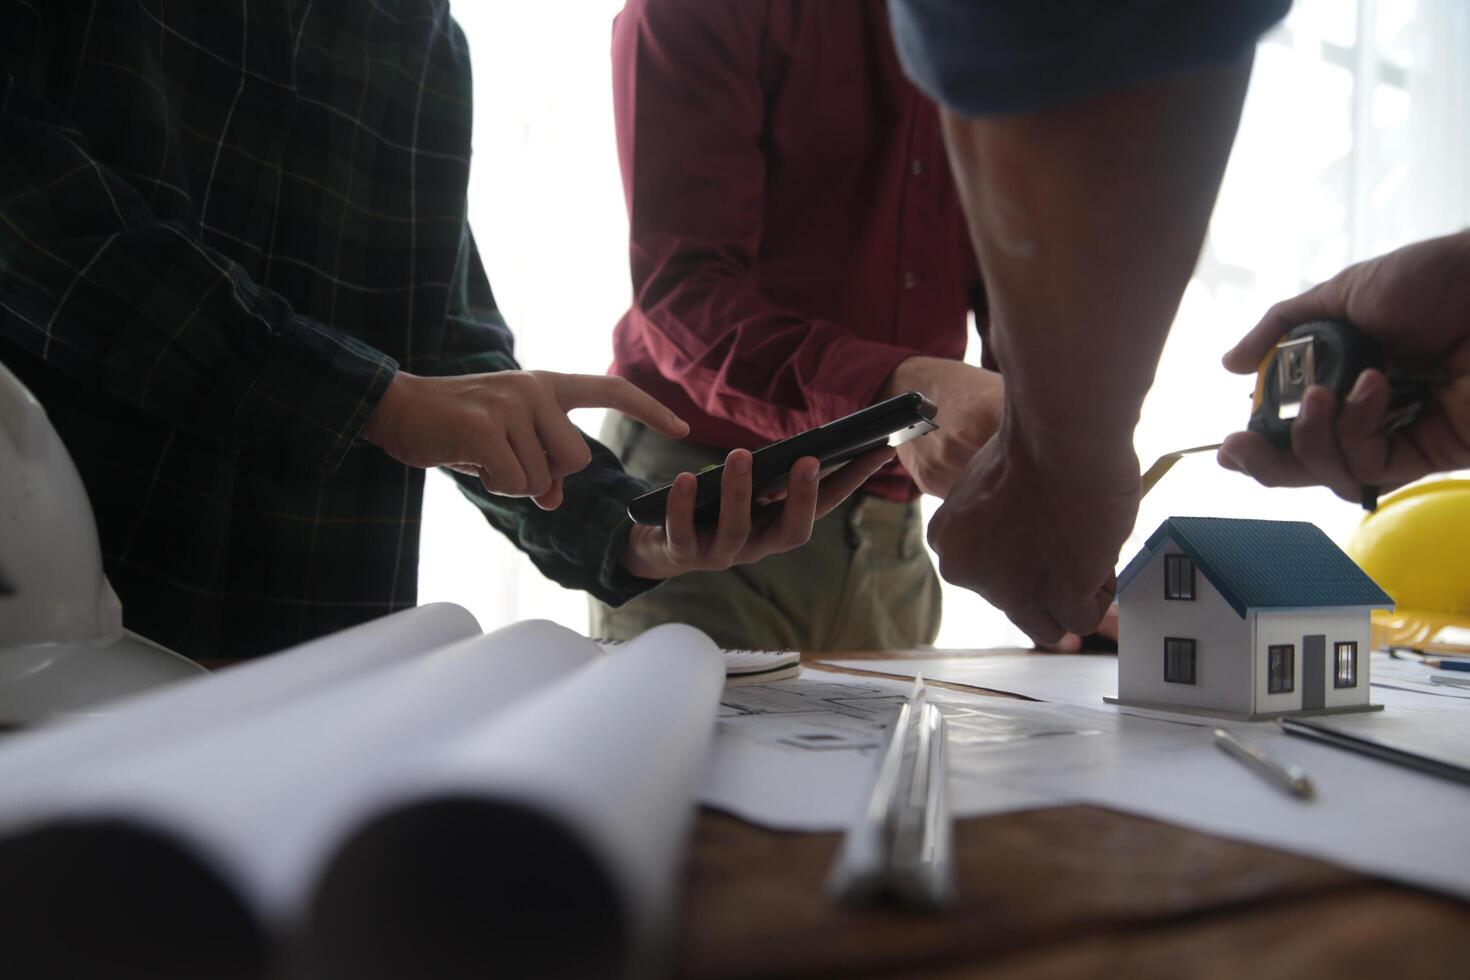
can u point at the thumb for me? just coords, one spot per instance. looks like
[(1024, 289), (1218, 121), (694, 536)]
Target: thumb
[(1316, 303)]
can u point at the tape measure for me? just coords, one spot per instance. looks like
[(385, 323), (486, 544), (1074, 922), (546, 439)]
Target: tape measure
[(1331, 353)]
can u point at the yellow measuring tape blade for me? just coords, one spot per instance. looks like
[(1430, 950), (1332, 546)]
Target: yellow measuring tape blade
[(1165, 463)]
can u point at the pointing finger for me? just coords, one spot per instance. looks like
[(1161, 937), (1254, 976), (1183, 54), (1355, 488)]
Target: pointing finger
[(593, 391)]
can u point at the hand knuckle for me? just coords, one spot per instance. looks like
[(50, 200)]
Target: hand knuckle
[(935, 535), (521, 410)]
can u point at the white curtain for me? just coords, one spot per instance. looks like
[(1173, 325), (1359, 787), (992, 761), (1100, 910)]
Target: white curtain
[(1355, 139)]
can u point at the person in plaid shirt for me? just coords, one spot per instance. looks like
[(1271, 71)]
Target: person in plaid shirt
[(236, 269)]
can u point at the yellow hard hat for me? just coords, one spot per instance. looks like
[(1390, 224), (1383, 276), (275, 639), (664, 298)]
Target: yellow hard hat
[(1416, 546)]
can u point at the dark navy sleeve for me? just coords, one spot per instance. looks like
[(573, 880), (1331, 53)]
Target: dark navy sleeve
[(990, 57)]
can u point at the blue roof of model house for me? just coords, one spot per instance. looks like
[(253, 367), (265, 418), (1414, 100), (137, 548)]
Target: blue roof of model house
[(1264, 564)]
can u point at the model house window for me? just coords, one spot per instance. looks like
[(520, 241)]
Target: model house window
[(1178, 578), (1344, 665), (1281, 669), (1178, 660)]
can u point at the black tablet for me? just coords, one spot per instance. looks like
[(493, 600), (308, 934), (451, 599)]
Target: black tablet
[(896, 420)]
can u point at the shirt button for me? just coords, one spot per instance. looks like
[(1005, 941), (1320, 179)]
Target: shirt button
[(917, 167), (910, 280)]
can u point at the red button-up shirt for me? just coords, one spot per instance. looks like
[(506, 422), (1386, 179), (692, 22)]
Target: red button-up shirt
[(795, 232)]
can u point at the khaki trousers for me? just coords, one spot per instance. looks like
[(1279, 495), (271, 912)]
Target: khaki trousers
[(863, 581)]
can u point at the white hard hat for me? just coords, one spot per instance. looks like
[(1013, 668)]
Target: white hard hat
[(63, 648)]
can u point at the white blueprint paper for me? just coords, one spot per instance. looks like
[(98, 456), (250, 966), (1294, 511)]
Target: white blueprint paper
[(1368, 815), (1411, 675), (800, 754)]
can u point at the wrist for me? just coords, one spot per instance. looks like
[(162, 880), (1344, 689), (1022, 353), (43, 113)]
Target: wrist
[(910, 374), (383, 418), (642, 554), (1103, 457)]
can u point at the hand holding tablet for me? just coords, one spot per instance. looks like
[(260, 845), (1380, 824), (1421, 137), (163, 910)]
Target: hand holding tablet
[(840, 441)]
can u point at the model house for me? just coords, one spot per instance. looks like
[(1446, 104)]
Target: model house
[(1249, 619)]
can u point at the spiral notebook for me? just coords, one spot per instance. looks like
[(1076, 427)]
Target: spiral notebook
[(760, 666), (748, 666)]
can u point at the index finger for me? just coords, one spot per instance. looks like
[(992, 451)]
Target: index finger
[(595, 391), (794, 526), (1037, 624), (680, 535), (1083, 616), (1252, 454), (837, 487), (733, 526)]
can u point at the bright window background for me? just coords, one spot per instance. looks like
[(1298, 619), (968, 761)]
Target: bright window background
[(1354, 140)]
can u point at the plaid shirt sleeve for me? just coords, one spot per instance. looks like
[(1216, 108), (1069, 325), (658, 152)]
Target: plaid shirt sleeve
[(580, 544), (101, 288)]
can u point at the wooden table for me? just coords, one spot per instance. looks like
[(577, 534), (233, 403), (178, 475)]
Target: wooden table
[(1073, 891)]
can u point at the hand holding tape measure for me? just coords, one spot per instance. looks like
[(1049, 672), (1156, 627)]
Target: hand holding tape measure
[(1332, 354), (1362, 382)]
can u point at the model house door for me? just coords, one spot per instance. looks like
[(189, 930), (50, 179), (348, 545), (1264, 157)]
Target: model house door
[(1314, 671)]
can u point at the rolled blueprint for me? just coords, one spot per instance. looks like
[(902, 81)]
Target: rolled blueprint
[(545, 842), (35, 764), (230, 822)]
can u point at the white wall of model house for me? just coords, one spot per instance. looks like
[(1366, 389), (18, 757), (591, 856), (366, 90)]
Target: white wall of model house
[(1222, 667), (1347, 624)]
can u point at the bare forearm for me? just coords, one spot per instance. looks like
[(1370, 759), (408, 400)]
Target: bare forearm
[(1088, 221)]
